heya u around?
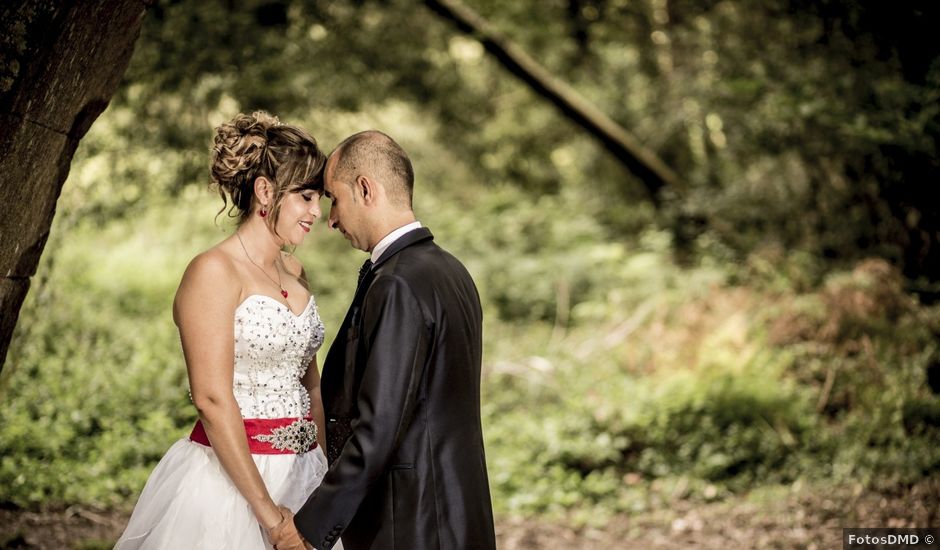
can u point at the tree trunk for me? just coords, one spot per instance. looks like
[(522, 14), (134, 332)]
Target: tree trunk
[(60, 63), (639, 160)]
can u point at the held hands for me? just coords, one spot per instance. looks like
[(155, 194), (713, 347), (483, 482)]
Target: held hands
[(285, 536)]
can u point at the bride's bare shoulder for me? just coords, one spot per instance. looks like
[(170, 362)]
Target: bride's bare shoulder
[(210, 275), (213, 266)]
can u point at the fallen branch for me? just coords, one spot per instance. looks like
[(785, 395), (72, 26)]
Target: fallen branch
[(639, 160)]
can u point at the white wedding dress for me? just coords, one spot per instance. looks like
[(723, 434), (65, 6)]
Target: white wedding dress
[(189, 502)]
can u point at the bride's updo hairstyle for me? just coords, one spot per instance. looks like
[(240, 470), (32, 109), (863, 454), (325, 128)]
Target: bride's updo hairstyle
[(256, 145)]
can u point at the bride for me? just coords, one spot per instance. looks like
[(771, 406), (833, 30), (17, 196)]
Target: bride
[(250, 331)]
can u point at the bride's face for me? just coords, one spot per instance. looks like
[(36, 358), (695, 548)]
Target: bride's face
[(299, 210)]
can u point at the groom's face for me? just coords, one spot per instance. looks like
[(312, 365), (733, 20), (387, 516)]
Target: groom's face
[(345, 210)]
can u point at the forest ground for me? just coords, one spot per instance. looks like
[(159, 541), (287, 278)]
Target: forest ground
[(781, 518)]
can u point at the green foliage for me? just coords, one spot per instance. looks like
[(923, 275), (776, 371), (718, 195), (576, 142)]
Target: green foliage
[(635, 355), (722, 426), (648, 382), (803, 125), (95, 378)]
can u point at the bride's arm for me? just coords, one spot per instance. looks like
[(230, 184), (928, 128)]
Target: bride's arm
[(204, 311)]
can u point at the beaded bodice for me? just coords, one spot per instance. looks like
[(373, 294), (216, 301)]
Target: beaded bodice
[(273, 348)]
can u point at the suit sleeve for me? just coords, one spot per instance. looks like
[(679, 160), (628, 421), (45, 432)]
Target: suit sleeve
[(395, 344)]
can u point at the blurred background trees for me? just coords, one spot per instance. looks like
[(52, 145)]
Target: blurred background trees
[(771, 319), (808, 124)]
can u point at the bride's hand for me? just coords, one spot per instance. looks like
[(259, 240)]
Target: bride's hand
[(285, 535), (274, 521)]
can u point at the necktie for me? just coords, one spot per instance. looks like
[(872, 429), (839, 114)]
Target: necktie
[(366, 266)]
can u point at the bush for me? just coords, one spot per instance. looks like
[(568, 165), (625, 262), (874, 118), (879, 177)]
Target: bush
[(614, 379)]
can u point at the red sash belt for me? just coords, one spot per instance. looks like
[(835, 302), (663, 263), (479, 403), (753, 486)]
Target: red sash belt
[(271, 436)]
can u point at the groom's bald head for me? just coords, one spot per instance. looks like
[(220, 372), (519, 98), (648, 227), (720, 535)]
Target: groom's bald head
[(377, 156)]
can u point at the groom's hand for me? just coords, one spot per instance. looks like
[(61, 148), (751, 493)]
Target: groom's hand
[(285, 536)]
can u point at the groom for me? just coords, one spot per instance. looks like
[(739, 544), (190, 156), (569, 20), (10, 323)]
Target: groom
[(401, 382)]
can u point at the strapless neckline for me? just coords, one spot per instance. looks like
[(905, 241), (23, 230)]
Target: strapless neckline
[(279, 303)]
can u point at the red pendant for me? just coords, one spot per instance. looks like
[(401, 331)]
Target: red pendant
[(283, 293)]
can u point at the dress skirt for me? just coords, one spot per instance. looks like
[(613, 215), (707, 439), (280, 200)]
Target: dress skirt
[(189, 502)]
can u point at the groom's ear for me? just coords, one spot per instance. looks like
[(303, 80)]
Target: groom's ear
[(366, 188)]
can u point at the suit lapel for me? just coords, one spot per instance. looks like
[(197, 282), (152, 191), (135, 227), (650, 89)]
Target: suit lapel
[(412, 237)]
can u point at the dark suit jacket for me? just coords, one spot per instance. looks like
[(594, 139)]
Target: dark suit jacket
[(401, 390)]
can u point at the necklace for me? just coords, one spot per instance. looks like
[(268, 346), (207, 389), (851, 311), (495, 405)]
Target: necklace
[(276, 270)]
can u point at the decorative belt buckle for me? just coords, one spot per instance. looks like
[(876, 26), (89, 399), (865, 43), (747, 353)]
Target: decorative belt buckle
[(296, 437)]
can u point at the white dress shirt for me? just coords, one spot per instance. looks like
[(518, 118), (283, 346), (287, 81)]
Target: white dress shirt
[(387, 240)]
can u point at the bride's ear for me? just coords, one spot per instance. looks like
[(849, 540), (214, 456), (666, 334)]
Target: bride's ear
[(264, 190)]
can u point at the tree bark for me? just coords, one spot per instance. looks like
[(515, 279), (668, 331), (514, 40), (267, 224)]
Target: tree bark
[(639, 160), (60, 63)]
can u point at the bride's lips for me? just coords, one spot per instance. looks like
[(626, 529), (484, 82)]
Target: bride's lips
[(306, 225)]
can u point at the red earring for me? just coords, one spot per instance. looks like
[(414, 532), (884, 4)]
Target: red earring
[(262, 212)]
